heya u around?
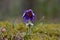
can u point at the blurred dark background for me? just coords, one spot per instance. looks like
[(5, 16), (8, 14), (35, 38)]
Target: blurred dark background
[(50, 9)]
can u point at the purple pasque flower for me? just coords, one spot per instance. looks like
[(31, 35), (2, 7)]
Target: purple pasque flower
[(28, 15)]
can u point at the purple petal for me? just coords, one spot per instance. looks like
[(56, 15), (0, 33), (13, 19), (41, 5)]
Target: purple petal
[(26, 18)]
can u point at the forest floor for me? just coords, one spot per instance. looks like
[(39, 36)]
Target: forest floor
[(40, 31)]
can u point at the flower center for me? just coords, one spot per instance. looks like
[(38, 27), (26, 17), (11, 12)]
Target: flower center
[(29, 14)]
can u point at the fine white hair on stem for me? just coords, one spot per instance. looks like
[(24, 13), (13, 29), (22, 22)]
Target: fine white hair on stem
[(29, 23)]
